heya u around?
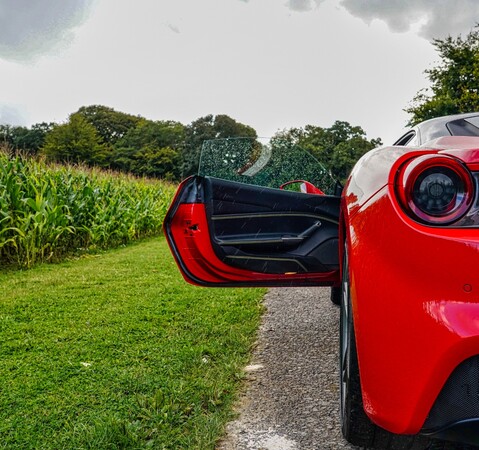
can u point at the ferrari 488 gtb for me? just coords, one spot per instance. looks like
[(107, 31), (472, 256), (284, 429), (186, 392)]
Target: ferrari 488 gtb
[(399, 244)]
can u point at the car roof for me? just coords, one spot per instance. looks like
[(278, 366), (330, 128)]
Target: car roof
[(435, 128)]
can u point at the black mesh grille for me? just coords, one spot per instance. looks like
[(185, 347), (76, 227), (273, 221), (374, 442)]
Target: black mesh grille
[(459, 398)]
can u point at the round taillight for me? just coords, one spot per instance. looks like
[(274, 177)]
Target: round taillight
[(435, 189)]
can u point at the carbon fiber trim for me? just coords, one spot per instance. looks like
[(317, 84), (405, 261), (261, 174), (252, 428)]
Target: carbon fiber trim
[(458, 399)]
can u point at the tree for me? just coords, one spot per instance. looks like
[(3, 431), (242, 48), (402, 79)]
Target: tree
[(27, 140), (454, 82), (148, 161), (110, 125), (74, 142), (151, 148), (159, 133), (6, 136), (338, 147), (30, 140), (206, 128)]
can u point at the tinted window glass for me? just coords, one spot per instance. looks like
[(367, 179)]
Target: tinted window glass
[(473, 120), (270, 163), (463, 127), (404, 140)]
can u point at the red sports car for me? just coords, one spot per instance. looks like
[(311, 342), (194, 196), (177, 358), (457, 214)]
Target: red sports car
[(399, 245)]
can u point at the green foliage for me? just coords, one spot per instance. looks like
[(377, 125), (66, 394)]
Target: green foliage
[(98, 135), (206, 128), (27, 140), (338, 147), (74, 142), (454, 82), (47, 212), (147, 161), (151, 149), (116, 351), (154, 134), (110, 125)]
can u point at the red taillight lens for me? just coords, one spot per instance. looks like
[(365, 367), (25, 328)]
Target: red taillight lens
[(435, 189)]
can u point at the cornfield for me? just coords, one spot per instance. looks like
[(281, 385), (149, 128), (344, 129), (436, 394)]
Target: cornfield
[(48, 212)]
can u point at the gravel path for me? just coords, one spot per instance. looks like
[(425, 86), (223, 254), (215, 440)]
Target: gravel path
[(292, 400)]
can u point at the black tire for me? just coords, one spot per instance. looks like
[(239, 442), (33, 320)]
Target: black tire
[(336, 295), (355, 424)]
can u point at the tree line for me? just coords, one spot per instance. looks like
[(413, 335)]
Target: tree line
[(100, 136)]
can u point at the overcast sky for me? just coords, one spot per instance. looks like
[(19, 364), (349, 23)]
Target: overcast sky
[(271, 64)]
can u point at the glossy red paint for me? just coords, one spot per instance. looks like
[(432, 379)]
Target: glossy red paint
[(373, 171), (457, 145), (189, 238), (414, 320), (465, 148)]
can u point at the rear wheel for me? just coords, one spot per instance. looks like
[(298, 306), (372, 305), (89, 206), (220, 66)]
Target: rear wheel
[(355, 424)]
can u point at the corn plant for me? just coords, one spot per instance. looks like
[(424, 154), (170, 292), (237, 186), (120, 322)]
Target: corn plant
[(48, 212)]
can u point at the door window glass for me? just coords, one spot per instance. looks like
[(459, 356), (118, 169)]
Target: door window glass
[(263, 163)]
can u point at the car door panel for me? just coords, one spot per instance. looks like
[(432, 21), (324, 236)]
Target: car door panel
[(233, 234)]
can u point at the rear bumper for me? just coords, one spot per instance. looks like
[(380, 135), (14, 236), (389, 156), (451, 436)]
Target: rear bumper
[(455, 413), (415, 294)]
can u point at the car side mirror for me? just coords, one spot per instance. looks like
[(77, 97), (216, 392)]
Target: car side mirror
[(301, 186)]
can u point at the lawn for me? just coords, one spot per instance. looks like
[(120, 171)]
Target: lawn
[(116, 351)]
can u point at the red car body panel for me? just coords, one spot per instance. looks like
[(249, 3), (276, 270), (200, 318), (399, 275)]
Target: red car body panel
[(415, 294)]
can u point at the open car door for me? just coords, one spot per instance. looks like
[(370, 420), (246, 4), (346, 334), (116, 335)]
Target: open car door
[(232, 225)]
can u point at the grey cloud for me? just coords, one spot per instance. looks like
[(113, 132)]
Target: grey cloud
[(437, 18), (29, 28), (303, 5), (10, 115)]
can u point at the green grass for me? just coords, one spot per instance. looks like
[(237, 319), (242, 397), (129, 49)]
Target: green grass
[(116, 351)]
